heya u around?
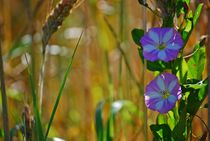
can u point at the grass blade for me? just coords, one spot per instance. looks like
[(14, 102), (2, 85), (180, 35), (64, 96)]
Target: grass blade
[(61, 88), (4, 98), (38, 125)]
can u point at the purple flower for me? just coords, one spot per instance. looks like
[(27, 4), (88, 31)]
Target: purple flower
[(162, 93), (161, 44)]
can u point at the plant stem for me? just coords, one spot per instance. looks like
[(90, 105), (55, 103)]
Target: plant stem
[(208, 56), (111, 94), (121, 33), (119, 47), (38, 124), (60, 92), (41, 80), (4, 98), (143, 75)]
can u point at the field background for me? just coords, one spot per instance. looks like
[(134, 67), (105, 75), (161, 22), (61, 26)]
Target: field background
[(98, 72)]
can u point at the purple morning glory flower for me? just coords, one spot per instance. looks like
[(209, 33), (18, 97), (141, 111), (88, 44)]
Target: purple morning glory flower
[(162, 93), (161, 44)]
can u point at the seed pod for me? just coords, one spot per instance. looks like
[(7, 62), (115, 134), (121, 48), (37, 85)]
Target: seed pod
[(55, 19)]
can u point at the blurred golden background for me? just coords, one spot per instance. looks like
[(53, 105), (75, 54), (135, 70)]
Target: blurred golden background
[(99, 70)]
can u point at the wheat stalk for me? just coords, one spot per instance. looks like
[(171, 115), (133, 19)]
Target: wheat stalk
[(55, 19), (53, 22)]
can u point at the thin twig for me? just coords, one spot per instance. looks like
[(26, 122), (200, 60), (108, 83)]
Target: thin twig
[(206, 126), (119, 47), (150, 9), (4, 97), (143, 76), (191, 54)]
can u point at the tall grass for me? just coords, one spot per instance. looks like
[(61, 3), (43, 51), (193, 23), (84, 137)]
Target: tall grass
[(4, 97), (62, 88), (51, 26)]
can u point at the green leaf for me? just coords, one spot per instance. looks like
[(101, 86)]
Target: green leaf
[(158, 65), (181, 69), (197, 92), (171, 119), (187, 29), (196, 98), (161, 132), (187, 1), (38, 124), (179, 133), (197, 62), (167, 119), (161, 119), (179, 130), (99, 121), (191, 22), (197, 85), (181, 7), (136, 35), (197, 13), (192, 98), (60, 92)]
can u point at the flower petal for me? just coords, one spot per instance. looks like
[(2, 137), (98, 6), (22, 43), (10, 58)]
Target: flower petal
[(172, 85), (145, 40), (153, 35), (149, 48), (151, 56), (159, 105), (160, 83), (162, 55), (151, 103), (155, 38), (171, 54), (179, 93), (173, 46), (172, 99), (168, 34), (152, 95)]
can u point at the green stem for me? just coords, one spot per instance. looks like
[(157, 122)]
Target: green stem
[(143, 76), (168, 21), (208, 64), (61, 88), (38, 124), (4, 98), (109, 75)]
